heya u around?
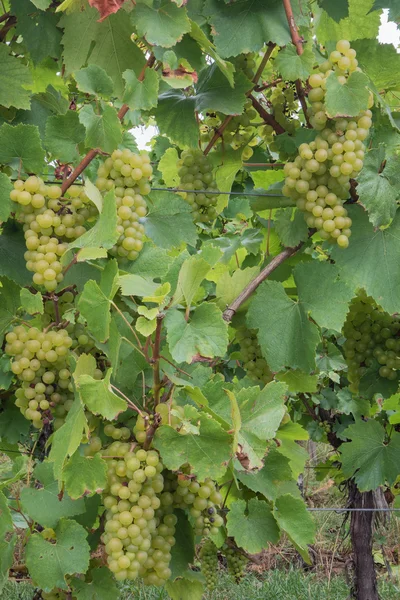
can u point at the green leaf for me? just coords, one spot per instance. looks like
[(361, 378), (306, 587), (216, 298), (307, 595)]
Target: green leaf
[(13, 425), (299, 382), (22, 142), (102, 586), (292, 517), (213, 92), (104, 233), (380, 62), (252, 525), (290, 226), (285, 334), (42, 4), (371, 260), (392, 5), (94, 80), (6, 559), (225, 67), (317, 281), (262, 414), (107, 44), (161, 25), (292, 66), (99, 398), (63, 134), (5, 201), (67, 439), (169, 221), (229, 286), (208, 451), (141, 95), (337, 10), (102, 130), (14, 78), (39, 31), (269, 479), (168, 167), (31, 303), (9, 304), (183, 131), (135, 285), (95, 308), (183, 550), (347, 99), (186, 589), (12, 262), (369, 457), (193, 271), (49, 563), (204, 334), (6, 523), (84, 475), (376, 189), (361, 23), (44, 505)]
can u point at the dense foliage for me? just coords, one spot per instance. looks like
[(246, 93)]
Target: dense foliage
[(174, 323)]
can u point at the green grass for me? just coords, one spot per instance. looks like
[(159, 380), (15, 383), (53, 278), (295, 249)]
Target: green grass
[(273, 585)]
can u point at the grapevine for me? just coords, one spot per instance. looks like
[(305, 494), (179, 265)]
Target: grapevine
[(209, 563), (195, 172)]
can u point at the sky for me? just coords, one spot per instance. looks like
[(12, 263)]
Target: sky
[(388, 34)]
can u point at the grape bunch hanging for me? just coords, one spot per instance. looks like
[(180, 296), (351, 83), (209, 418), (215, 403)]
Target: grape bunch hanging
[(129, 174), (319, 177), (371, 339), (195, 173)]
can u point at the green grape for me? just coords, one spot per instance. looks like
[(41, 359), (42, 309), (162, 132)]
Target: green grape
[(253, 362), (236, 561), (319, 178), (195, 172), (209, 563), (130, 174), (202, 499)]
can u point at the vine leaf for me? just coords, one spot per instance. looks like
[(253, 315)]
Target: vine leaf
[(9, 304), (252, 525), (63, 134), (336, 10), (6, 558), (6, 523), (360, 18), (6, 204), (208, 450), (21, 143), (348, 99), (183, 550), (299, 382), (43, 505), (371, 260), (49, 563), (213, 92), (182, 587), (292, 517), (161, 25), (317, 281), (14, 77), (286, 335), (106, 7), (271, 478), (31, 303), (368, 457), (94, 80), (85, 475), (102, 586), (104, 233), (377, 187), (183, 131), (169, 221), (204, 334), (95, 308), (39, 31), (141, 95), (290, 227), (102, 130), (99, 398), (292, 66), (67, 439)]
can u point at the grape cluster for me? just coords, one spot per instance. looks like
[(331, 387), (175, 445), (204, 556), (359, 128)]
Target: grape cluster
[(282, 99), (50, 223), (253, 362), (371, 338), (319, 177), (167, 418), (130, 174), (209, 563), (238, 133), (139, 527), (195, 173), (236, 563), (246, 63), (117, 433), (202, 499)]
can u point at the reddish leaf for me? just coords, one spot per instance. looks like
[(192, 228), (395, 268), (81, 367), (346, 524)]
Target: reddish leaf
[(106, 7)]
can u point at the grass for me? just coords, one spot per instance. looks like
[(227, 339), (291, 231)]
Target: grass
[(273, 585)]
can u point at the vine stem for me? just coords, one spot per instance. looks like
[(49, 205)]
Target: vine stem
[(298, 42), (130, 403), (121, 314), (266, 116), (156, 359), (230, 311), (93, 153)]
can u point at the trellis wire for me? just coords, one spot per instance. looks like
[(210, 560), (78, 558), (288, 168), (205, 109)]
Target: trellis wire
[(217, 193)]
